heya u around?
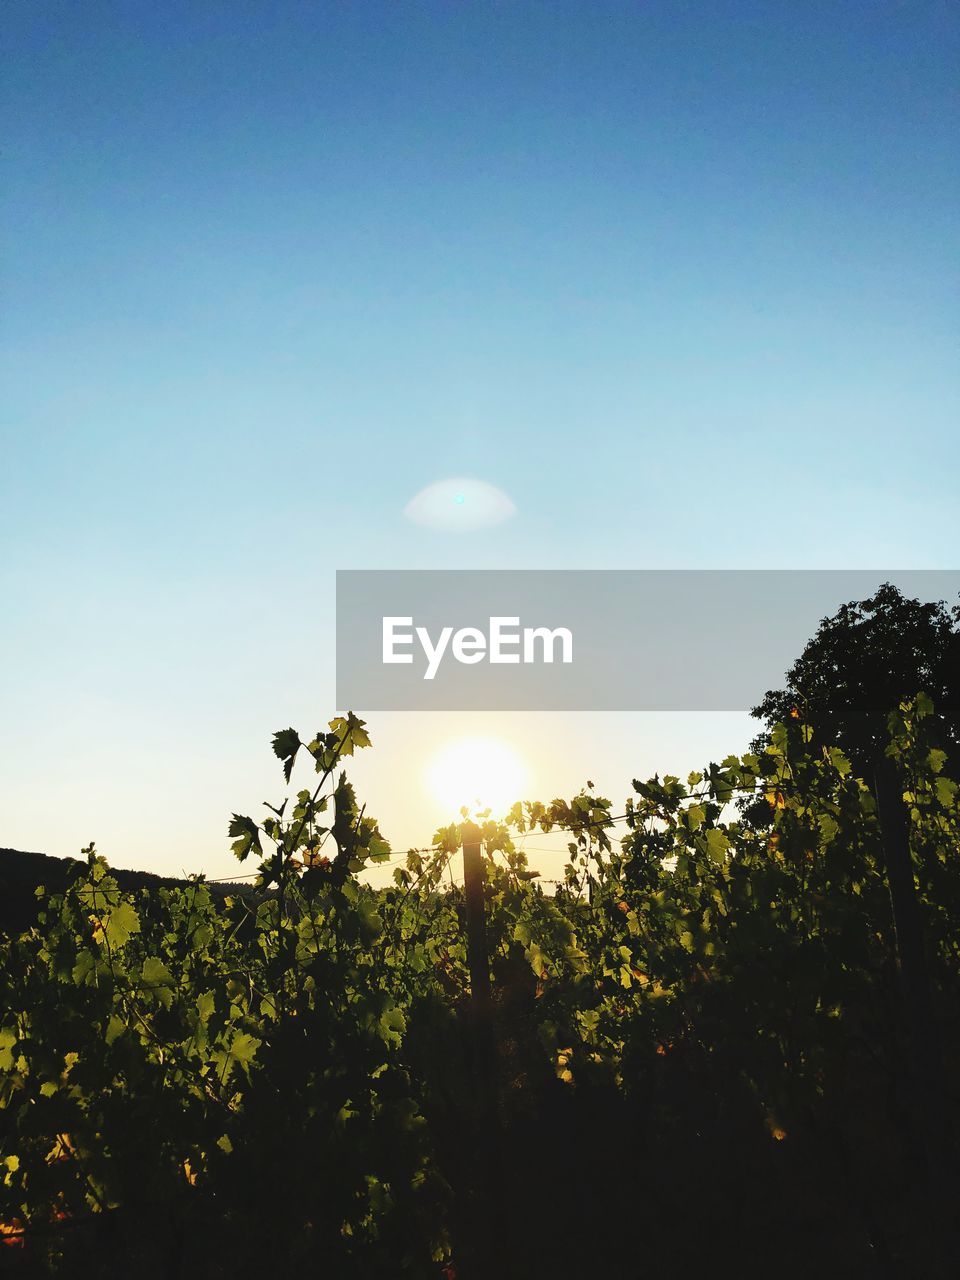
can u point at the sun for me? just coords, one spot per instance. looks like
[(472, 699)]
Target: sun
[(478, 774)]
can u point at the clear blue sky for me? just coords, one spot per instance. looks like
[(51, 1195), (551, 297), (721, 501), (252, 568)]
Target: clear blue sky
[(680, 278)]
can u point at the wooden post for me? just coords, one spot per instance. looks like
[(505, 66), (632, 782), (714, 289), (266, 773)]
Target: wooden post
[(922, 1050), (485, 1218), (478, 960), (895, 832)]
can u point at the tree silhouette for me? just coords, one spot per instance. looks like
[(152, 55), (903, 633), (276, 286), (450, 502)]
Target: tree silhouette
[(861, 664)]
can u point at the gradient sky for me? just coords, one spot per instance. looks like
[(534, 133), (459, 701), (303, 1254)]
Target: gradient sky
[(681, 278)]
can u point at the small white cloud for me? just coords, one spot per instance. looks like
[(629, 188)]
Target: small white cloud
[(459, 506)]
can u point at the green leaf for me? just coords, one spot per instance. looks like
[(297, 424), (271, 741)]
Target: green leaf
[(83, 968), (392, 1026), (371, 924), (242, 1049), (589, 1019), (206, 1003), (249, 836), (537, 960), (99, 893), (828, 827), (115, 1028), (156, 973), (8, 1038), (120, 924), (378, 850), (924, 706), (936, 759), (946, 790), (350, 732), (696, 815), (717, 845), (286, 744)]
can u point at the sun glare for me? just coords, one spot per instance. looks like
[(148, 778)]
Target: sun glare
[(477, 773)]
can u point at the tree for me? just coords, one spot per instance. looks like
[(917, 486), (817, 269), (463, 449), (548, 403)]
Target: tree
[(861, 664)]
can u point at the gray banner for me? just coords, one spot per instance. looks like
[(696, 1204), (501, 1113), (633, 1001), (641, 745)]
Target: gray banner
[(587, 640)]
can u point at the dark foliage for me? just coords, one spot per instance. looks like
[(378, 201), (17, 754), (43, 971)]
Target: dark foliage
[(862, 663)]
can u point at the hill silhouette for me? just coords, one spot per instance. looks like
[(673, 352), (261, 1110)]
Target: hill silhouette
[(22, 872)]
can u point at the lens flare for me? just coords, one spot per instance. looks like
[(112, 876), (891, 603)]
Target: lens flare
[(459, 506)]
